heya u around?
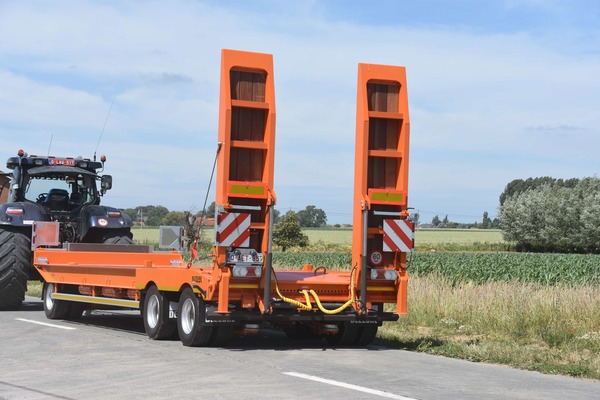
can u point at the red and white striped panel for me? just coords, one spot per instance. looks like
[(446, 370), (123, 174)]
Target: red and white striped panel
[(398, 235), (233, 229)]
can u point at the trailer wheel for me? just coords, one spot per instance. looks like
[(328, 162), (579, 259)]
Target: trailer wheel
[(366, 334), (347, 335), (156, 315), (54, 309), (221, 335), (76, 310), (15, 262), (189, 318)]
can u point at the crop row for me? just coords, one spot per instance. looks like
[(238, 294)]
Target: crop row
[(546, 269)]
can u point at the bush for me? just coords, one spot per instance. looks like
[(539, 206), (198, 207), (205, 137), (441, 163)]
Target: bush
[(554, 217)]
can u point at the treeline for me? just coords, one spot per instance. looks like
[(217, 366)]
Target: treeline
[(311, 216), (155, 215), (552, 215), (436, 222)]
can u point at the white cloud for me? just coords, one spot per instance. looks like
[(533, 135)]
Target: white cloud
[(486, 106)]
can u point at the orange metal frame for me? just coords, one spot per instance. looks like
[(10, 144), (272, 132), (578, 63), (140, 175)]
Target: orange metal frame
[(381, 168), (245, 172)]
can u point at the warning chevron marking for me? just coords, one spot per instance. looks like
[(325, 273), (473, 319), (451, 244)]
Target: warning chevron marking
[(398, 235), (233, 229)]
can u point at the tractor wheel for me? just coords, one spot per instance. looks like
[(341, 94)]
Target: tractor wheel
[(15, 262), (117, 237), (189, 320), (157, 324), (54, 309)]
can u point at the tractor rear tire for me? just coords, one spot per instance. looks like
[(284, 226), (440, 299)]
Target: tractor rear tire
[(15, 262), (117, 237)]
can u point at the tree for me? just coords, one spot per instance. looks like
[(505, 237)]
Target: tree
[(288, 232), (276, 215), (210, 211), (416, 219), (486, 222), (150, 215), (174, 218), (518, 186), (436, 221), (312, 216), (558, 216)]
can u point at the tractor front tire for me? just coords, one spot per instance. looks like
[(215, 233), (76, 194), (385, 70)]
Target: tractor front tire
[(15, 262)]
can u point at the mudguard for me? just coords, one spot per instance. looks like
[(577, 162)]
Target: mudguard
[(96, 217), (31, 212)]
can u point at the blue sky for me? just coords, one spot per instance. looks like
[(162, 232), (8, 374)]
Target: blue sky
[(498, 90)]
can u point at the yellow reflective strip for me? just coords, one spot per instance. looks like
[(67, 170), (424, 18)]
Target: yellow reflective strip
[(246, 189), (381, 289), (243, 286), (168, 288), (97, 300), (387, 197)]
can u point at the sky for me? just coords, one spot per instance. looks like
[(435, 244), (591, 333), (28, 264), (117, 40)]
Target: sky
[(498, 90)]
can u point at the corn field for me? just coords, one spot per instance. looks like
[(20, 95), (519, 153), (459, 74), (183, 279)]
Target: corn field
[(545, 269)]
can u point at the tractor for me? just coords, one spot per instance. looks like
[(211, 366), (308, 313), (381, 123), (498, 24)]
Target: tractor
[(52, 189)]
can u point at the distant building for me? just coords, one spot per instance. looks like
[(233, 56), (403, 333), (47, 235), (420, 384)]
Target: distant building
[(4, 189), (204, 221)]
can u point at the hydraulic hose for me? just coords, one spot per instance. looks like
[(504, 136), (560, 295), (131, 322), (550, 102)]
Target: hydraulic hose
[(308, 305)]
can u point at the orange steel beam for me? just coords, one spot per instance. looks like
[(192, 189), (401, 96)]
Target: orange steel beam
[(247, 135), (381, 171), (245, 163)]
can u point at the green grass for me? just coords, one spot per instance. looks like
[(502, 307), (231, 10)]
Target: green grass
[(551, 329)]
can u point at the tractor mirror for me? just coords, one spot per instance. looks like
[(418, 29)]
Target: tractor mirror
[(105, 183)]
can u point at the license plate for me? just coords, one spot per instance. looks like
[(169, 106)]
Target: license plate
[(244, 258)]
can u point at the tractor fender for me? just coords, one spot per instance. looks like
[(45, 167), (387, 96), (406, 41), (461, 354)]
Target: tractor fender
[(30, 212), (96, 217)]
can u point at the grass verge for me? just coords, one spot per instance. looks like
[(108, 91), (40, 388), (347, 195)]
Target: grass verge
[(540, 328)]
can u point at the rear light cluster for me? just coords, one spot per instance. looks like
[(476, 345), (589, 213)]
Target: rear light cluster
[(386, 274), (243, 271), (14, 211), (114, 214)]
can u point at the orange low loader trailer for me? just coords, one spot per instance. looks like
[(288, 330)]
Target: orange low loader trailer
[(242, 290)]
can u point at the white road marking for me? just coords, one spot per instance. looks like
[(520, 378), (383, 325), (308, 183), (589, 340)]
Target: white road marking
[(349, 386), (46, 324)]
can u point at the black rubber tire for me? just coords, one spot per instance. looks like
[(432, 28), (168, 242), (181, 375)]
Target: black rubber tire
[(189, 317), (155, 313), (54, 309), (221, 335), (76, 310), (15, 263), (117, 237), (347, 335), (366, 334)]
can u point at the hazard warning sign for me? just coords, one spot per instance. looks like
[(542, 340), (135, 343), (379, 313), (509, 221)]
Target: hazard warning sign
[(398, 235), (233, 229)]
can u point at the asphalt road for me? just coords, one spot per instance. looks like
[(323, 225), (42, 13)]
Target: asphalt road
[(106, 355)]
